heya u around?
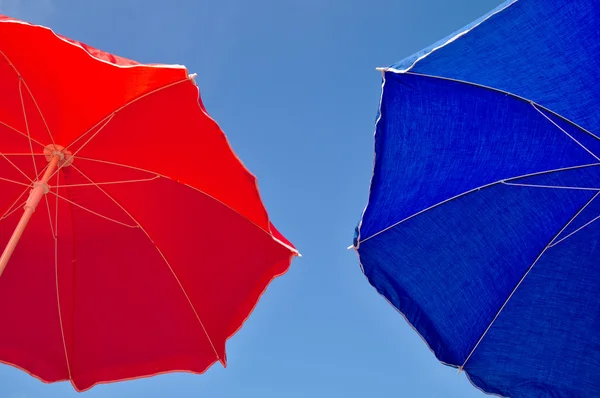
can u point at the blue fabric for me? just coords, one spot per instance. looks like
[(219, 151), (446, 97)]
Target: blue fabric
[(544, 50), (437, 139), (483, 220)]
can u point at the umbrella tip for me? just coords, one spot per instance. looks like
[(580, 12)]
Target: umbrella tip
[(350, 247)]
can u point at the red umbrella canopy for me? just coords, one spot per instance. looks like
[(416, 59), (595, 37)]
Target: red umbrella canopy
[(150, 245)]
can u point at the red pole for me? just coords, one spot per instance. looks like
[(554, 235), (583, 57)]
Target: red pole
[(40, 188)]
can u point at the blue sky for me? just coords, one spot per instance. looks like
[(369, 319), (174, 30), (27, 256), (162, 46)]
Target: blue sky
[(293, 85)]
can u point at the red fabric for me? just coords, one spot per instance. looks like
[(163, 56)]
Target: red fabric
[(150, 276)]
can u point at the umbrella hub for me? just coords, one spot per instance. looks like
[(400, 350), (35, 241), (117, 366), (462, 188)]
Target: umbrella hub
[(57, 157), (65, 156)]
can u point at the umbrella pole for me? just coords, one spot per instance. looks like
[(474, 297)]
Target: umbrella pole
[(40, 188)]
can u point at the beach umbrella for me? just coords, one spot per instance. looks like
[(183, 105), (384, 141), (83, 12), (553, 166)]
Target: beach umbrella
[(134, 240), (482, 224)]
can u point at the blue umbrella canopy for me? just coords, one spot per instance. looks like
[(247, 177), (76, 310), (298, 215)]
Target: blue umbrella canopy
[(483, 221)]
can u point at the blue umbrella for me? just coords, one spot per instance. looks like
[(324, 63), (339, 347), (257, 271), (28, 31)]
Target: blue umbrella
[(482, 221)]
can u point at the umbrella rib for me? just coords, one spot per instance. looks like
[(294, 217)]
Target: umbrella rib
[(161, 254), (112, 114), (523, 278), (54, 233), (22, 80), (110, 182), (106, 120), (178, 182), (561, 129), (92, 211), (60, 318), (197, 190), (27, 123), (54, 230), (22, 133), (109, 117), (39, 111), (574, 232), (551, 186), (503, 181), (10, 212), (24, 154), (16, 167), (15, 182)]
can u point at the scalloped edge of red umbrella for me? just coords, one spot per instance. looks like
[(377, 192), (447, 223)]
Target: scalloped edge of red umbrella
[(121, 62), (165, 372)]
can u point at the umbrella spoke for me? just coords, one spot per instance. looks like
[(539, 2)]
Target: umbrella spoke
[(15, 182), (52, 228), (561, 129), (161, 254), (185, 185), (39, 110), (11, 212), (504, 181), (26, 123), (11, 209), (109, 182), (16, 167), (55, 236), (111, 115), (91, 211), (544, 250), (24, 154), (574, 232), (103, 124), (120, 165), (550, 186), (20, 132), (22, 81)]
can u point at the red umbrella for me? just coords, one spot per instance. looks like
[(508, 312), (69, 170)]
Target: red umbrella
[(150, 245)]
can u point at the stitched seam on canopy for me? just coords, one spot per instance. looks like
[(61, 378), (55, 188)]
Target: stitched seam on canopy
[(474, 190), (195, 189), (163, 257), (524, 276)]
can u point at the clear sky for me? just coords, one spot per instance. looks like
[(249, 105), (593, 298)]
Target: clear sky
[(293, 85)]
